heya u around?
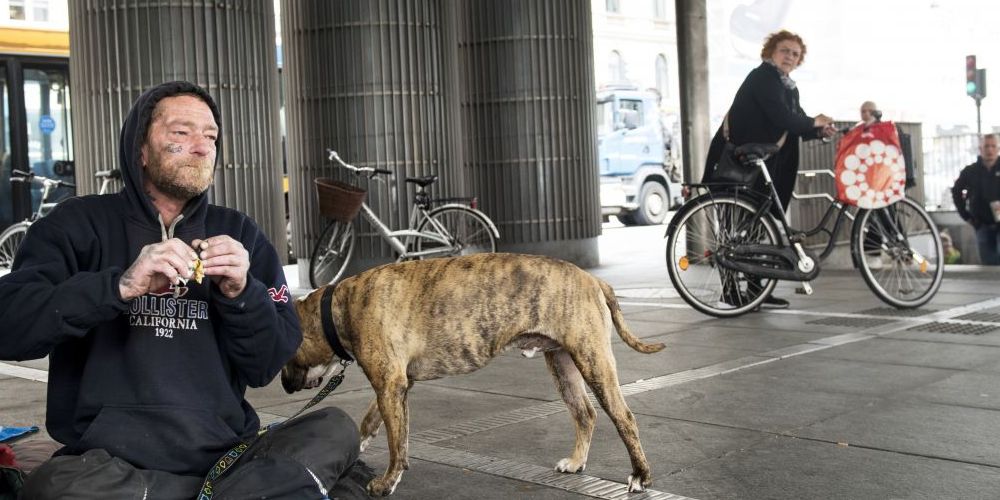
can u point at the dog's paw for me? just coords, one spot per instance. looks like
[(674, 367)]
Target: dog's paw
[(382, 486), (635, 484), (570, 465), (365, 442)]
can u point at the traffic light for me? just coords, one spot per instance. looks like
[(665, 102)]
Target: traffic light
[(971, 86), (981, 83)]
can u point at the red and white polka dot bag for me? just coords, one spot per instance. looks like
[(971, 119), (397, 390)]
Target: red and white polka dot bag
[(870, 170)]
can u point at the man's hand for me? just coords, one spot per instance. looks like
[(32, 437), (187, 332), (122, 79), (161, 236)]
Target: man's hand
[(226, 262), (158, 266)]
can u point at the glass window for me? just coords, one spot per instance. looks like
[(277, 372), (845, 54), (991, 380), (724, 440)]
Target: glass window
[(605, 117), (616, 66), (629, 106), (660, 9), (47, 107), (612, 6), (15, 9), (662, 80), (6, 198), (40, 11), (28, 10)]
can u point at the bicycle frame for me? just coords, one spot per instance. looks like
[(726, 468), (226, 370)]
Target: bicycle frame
[(402, 240), (804, 263), (399, 240), (44, 206), (841, 209), (794, 237), (727, 240)]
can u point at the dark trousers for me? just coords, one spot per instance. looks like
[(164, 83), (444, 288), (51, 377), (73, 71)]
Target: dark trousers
[(300, 459), (988, 238)]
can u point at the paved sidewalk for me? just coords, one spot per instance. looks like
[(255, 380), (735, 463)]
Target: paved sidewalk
[(838, 397)]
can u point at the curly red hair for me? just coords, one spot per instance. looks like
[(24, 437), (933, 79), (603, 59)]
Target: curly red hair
[(772, 41)]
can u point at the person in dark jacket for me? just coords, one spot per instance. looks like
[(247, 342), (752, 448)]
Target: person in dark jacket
[(977, 199), (766, 110), (148, 366)]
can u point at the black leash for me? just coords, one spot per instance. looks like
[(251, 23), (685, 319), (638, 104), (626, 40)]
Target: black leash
[(330, 332)]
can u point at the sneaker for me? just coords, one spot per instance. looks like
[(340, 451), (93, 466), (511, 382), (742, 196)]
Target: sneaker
[(772, 302)]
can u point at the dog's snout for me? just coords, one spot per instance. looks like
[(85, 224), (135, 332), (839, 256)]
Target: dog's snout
[(312, 383), (292, 380)]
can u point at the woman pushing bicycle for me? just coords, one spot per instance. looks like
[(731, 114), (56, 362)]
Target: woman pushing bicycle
[(766, 110), (731, 242)]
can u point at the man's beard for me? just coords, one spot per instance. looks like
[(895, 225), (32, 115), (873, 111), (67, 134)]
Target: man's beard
[(168, 178)]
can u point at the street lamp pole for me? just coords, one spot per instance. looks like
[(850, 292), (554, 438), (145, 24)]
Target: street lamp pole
[(979, 117)]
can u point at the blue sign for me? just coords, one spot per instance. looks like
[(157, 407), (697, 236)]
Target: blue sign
[(47, 124)]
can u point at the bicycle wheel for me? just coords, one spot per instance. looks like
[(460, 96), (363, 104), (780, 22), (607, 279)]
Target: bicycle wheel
[(898, 250), (331, 254), (10, 241), (468, 231), (704, 227)]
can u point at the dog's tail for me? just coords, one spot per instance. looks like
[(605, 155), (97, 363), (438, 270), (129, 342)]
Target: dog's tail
[(619, 321)]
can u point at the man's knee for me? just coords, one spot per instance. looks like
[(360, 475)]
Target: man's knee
[(326, 431), (308, 452), (94, 474), (329, 423)]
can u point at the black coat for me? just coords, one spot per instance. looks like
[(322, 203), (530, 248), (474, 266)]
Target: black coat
[(975, 188), (762, 111)]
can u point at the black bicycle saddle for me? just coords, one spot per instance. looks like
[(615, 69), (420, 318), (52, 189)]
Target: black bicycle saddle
[(762, 150), (424, 181)]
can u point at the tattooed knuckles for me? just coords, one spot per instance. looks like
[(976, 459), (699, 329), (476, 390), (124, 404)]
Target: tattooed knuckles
[(226, 261), (158, 266)]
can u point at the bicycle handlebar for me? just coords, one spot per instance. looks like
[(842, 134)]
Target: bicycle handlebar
[(112, 174), (44, 180), (839, 131), (333, 156)]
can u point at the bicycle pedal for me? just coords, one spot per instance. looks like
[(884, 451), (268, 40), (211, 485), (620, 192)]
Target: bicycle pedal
[(805, 289)]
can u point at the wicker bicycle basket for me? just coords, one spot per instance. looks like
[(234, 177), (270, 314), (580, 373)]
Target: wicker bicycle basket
[(337, 200)]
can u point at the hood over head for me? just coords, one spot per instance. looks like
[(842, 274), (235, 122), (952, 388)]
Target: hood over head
[(133, 135)]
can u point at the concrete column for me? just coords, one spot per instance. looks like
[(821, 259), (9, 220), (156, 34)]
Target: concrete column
[(528, 114), (119, 49), (692, 52), (375, 81)]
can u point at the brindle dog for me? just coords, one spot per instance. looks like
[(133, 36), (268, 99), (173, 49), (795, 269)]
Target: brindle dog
[(423, 320)]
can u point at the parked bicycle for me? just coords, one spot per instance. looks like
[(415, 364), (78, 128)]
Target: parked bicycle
[(447, 230), (726, 251), (11, 238)]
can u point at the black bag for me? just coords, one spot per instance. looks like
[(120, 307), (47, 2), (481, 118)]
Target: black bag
[(729, 169)]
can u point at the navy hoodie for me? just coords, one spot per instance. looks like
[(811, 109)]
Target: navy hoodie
[(158, 381)]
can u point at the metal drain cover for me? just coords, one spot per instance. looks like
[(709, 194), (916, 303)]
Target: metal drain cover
[(851, 322), (892, 311), (959, 328), (647, 293), (985, 317)]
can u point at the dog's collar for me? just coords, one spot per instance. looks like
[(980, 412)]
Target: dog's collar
[(329, 329)]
